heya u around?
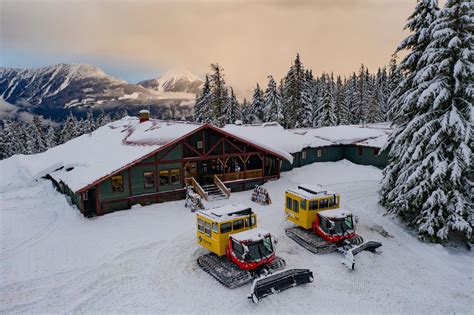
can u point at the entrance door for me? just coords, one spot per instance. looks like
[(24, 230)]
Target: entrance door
[(190, 170), (89, 202)]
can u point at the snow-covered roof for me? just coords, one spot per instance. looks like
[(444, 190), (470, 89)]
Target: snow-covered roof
[(255, 234), (309, 191), (227, 212), (295, 140), (335, 213)]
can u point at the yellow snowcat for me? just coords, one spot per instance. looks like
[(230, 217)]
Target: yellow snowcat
[(322, 226), (242, 252)]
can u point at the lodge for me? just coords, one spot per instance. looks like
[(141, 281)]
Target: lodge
[(144, 161)]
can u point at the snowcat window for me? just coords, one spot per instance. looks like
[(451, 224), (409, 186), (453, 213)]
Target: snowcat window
[(288, 203), (303, 204), (296, 206), (200, 225), (250, 221), (238, 249), (313, 205), (323, 203), (260, 249), (348, 222), (214, 228), (207, 228), (323, 223), (226, 227), (237, 225)]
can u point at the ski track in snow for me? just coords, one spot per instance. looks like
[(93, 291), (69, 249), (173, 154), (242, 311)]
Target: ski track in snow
[(144, 260)]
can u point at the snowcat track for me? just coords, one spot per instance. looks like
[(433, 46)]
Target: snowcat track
[(312, 242), (224, 271), (277, 264)]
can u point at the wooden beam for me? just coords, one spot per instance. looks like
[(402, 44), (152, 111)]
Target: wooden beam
[(191, 148), (213, 147)]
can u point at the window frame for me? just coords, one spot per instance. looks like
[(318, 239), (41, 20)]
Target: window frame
[(312, 203), (225, 224), (289, 203), (114, 187), (176, 171), (303, 204), (199, 144), (319, 153), (207, 228), (200, 226), (234, 223), (296, 206), (303, 155), (152, 176), (167, 177)]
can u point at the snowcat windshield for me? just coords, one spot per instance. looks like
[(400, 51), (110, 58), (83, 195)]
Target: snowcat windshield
[(259, 250), (343, 225)]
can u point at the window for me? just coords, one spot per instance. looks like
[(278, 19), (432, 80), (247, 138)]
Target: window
[(323, 203), (303, 204), (313, 205), (117, 183), (200, 225), (360, 150), (333, 201), (214, 228), (226, 227), (149, 179), (250, 221), (237, 225), (164, 177), (207, 228), (376, 151), (288, 202), (85, 195), (199, 144), (296, 206), (320, 153), (238, 249), (175, 177), (303, 155)]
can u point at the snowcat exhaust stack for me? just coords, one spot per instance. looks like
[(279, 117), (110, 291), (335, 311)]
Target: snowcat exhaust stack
[(278, 282)]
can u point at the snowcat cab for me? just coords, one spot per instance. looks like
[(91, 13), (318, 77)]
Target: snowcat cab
[(241, 252), (322, 226)]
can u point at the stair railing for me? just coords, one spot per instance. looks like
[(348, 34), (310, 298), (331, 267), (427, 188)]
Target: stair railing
[(197, 188), (221, 186)]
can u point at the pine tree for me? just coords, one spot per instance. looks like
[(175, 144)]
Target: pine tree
[(273, 102), (326, 116), (339, 107), (307, 101), (202, 109), (35, 136), (292, 95), (89, 123), (231, 110), (51, 137), (68, 131), (219, 94), (258, 104), (428, 181)]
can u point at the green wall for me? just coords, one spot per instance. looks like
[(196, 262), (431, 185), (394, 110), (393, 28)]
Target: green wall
[(367, 157), (105, 188)]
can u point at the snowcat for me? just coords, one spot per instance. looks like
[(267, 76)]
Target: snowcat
[(240, 252), (322, 226)]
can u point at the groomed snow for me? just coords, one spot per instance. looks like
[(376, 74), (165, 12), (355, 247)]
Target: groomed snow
[(143, 260)]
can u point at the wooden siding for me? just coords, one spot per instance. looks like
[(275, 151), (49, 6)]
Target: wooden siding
[(105, 188), (367, 157)]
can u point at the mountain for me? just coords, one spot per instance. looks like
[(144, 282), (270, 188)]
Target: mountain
[(174, 81), (54, 91)]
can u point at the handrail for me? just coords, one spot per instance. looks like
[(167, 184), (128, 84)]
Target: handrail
[(221, 186), (197, 188)]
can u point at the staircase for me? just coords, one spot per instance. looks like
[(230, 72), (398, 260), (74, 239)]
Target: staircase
[(214, 192)]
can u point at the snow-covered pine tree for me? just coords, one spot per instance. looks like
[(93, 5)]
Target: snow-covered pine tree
[(231, 110), (219, 94), (339, 108), (428, 181), (294, 85), (202, 109), (35, 136), (7, 140), (51, 137), (351, 98), (373, 113), (258, 104), (307, 101), (89, 123), (326, 116), (273, 102), (68, 131), (382, 92)]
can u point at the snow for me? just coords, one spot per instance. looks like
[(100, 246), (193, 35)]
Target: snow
[(143, 260), (223, 213), (339, 213), (132, 96), (305, 191), (254, 234)]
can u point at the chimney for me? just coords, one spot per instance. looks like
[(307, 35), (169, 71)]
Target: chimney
[(144, 115)]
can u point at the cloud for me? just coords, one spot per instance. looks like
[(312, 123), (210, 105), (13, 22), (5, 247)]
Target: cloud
[(251, 39)]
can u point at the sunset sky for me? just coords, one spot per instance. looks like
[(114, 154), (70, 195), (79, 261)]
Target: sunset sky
[(136, 40)]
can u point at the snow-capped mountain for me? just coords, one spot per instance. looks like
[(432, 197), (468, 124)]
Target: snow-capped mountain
[(175, 81), (55, 90)]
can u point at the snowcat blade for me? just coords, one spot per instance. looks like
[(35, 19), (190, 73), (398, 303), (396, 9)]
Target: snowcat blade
[(349, 259), (278, 282)]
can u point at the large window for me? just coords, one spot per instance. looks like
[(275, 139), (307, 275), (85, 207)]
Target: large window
[(296, 207), (323, 203), (149, 179), (117, 183), (237, 225), (164, 178), (303, 204), (226, 227), (288, 203), (313, 205), (175, 177)]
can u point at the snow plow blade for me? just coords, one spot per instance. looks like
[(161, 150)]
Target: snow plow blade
[(278, 282), (349, 259)]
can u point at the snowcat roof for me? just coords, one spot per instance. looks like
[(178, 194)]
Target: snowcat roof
[(308, 191), (253, 235), (335, 213), (228, 212)]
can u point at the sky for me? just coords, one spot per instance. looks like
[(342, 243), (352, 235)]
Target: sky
[(137, 40)]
